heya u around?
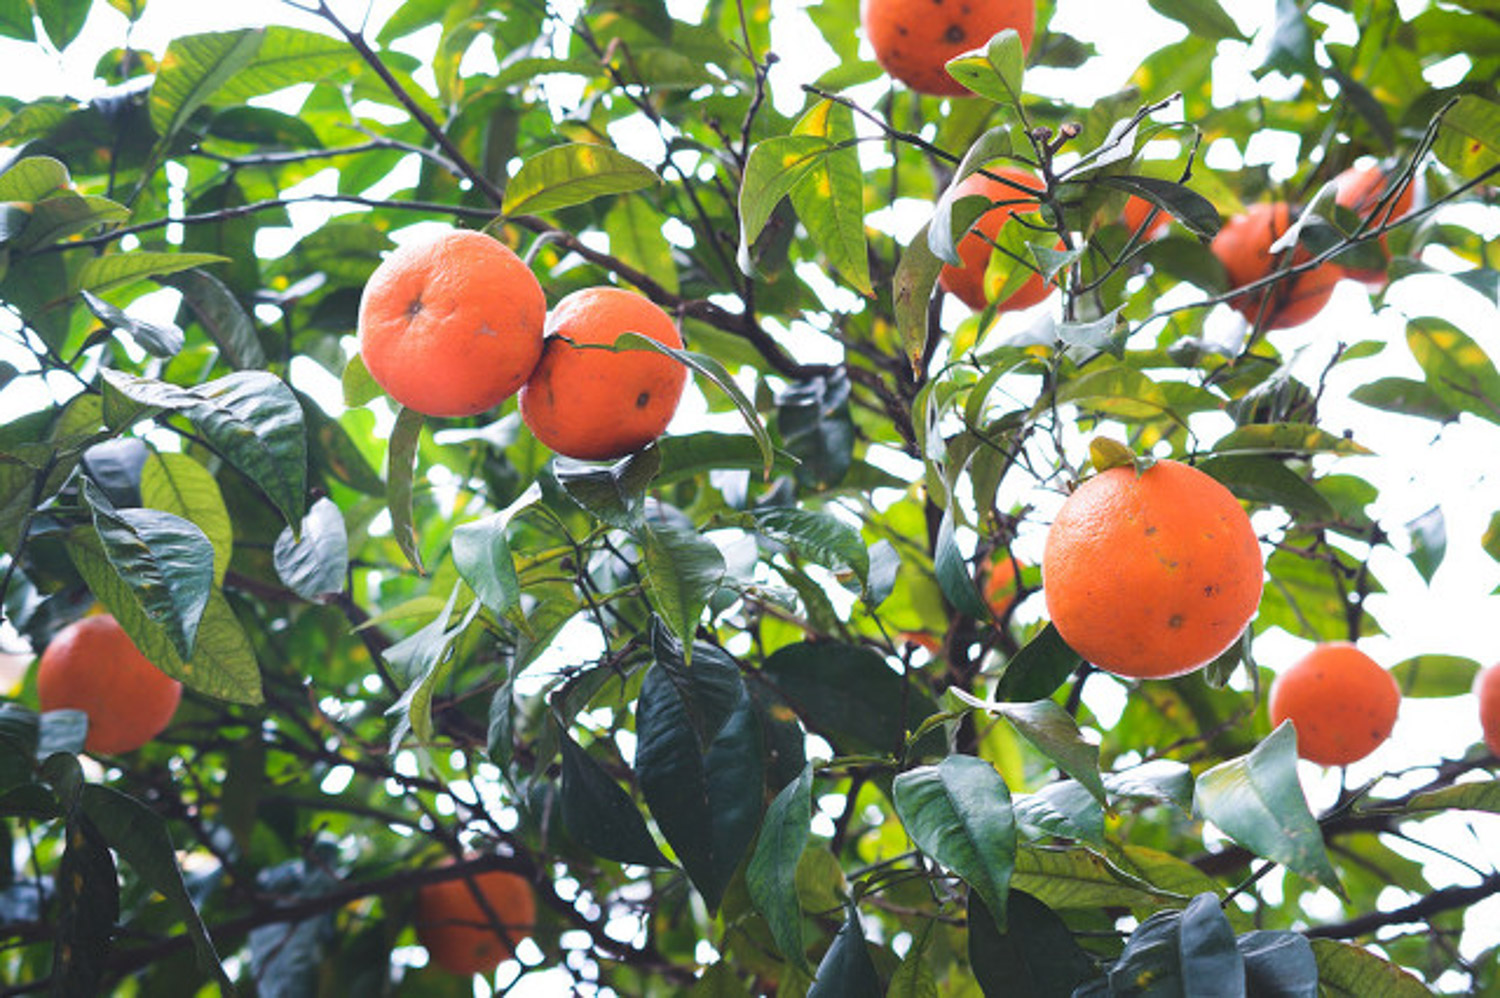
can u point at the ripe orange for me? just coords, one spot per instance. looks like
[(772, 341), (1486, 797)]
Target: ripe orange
[(914, 39), (1000, 589), (91, 665), (1137, 210), (966, 282), (1487, 689), (1341, 701), (1361, 190), (1153, 574), (599, 404), (456, 931), (451, 326), (1243, 247)]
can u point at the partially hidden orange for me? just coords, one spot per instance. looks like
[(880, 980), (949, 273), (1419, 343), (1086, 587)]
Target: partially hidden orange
[(1137, 210), (1341, 701), (1361, 190), (457, 933), (1487, 689), (966, 281), (598, 404), (1000, 589), (451, 326), (92, 665), (914, 39), (1243, 246), (1151, 574)]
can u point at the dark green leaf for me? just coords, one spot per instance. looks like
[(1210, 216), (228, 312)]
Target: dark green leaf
[(819, 537), (1035, 957), (1211, 963), (682, 570), (178, 484), (615, 494), (400, 473), (953, 574), (1279, 964), (911, 294), (88, 904), (1203, 18), (1258, 478), (1039, 668), (816, 426), (157, 339), (1053, 732), (846, 970), (959, 813), (773, 169), (61, 731), (1189, 207), (1257, 801), (599, 815), (222, 316), (481, 553), (829, 199), (1065, 809), (424, 660), (771, 875)]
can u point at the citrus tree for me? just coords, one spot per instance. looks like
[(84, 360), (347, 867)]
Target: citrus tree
[(775, 703)]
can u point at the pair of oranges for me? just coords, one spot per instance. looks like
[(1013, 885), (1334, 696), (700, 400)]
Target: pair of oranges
[(458, 324)]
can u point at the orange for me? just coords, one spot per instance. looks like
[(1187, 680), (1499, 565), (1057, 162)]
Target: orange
[(1152, 574), (1137, 210), (601, 404), (1000, 586), (966, 282), (1487, 689), (91, 665), (1243, 246), (1342, 703), (1361, 189), (451, 326), (914, 39), (456, 931)]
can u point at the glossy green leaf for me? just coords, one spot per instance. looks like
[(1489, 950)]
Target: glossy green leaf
[(1257, 801), (998, 73), (573, 173), (817, 536), (175, 483), (1435, 675), (1279, 963), (1065, 808), (157, 339), (1035, 957), (400, 474), (771, 874), (165, 560), (221, 315), (682, 571), (314, 564), (193, 69), (1480, 795), (829, 199), (846, 970), (1429, 541), (1165, 780), (1349, 971), (1053, 732), (959, 813), (102, 273), (1192, 209), (773, 169), (482, 555), (88, 906), (615, 494), (599, 815), (1042, 665)]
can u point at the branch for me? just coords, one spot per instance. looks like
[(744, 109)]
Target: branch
[(1435, 903)]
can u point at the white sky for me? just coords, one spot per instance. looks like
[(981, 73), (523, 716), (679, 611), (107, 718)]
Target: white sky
[(1418, 465)]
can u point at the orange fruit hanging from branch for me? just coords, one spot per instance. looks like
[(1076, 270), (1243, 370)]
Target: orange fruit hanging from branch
[(914, 39), (457, 933), (1243, 246), (451, 326), (1341, 701), (1361, 190), (599, 404), (966, 282), (1487, 689), (1151, 574), (92, 665)]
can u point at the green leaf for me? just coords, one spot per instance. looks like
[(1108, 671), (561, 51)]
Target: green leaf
[(715, 373), (359, 388), (1490, 541), (706, 802), (132, 9), (1279, 963), (287, 57), (1053, 732), (113, 270), (913, 979), (1036, 671), (157, 339), (1429, 541), (959, 813), (1192, 209), (221, 315), (62, 19), (1258, 478), (911, 293), (165, 560), (1456, 366), (682, 570), (425, 659), (254, 422), (1034, 958), (693, 454), (1203, 18), (175, 483), (1257, 801), (771, 874), (707, 696), (1065, 809), (481, 553), (1406, 396), (846, 970), (953, 574), (773, 169), (88, 906), (32, 178), (16, 20), (1165, 780), (830, 198), (65, 213), (817, 427), (1435, 675), (616, 494), (1468, 139), (848, 694), (223, 663), (1349, 971), (400, 473), (719, 981), (193, 68), (598, 814), (573, 173), (1119, 391), (996, 75), (1211, 962), (817, 536), (140, 836), (1284, 438), (315, 564), (1481, 795), (635, 235)]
